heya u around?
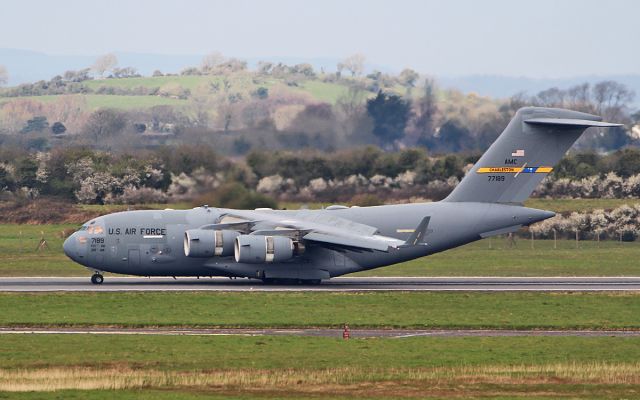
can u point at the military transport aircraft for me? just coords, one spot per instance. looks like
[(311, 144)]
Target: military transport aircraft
[(310, 245)]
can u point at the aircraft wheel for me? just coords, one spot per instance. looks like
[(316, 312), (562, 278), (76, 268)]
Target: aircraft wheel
[(97, 279)]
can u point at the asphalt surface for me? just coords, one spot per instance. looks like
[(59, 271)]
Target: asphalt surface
[(353, 333), (114, 284)]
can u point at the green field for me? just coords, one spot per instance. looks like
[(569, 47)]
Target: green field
[(190, 82), (494, 257), (19, 255), (266, 352), (444, 310), (273, 367), (95, 101), (322, 91), (489, 257)]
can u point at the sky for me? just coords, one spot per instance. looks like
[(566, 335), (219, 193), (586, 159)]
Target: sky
[(535, 38)]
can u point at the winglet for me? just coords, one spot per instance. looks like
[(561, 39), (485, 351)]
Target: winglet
[(418, 235)]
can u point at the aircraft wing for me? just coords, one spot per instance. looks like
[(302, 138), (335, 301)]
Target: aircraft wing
[(319, 227)]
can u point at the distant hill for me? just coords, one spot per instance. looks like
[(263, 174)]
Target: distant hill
[(29, 66)]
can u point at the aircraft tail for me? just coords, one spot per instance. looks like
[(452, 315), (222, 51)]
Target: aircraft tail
[(526, 151)]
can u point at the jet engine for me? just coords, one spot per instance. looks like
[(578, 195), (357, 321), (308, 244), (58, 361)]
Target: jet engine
[(256, 249), (209, 243)]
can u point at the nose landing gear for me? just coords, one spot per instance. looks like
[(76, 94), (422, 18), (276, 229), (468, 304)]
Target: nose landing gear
[(97, 279)]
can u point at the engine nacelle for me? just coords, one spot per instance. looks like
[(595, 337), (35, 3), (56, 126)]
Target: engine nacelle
[(256, 249), (209, 243)]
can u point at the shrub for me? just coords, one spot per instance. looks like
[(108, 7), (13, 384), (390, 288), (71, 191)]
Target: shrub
[(235, 195)]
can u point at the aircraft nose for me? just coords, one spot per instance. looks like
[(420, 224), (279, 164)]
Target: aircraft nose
[(69, 246)]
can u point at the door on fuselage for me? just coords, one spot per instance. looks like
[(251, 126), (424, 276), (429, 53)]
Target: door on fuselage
[(134, 258)]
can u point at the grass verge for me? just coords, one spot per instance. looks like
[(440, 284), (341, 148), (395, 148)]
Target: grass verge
[(447, 310)]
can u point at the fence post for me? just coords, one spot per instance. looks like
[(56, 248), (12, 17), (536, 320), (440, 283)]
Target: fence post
[(576, 238), (532, 246), (555, 239)]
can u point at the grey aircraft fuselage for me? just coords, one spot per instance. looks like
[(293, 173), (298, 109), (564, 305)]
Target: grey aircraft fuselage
[(150, 243), (311, 245)]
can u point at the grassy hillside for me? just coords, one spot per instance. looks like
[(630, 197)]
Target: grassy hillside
[(187, 82), (244, 83), (95, 101)]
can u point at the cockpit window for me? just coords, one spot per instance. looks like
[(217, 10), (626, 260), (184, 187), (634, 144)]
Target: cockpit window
[(93, 229)]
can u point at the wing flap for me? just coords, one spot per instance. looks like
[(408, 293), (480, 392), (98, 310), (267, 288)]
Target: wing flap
[(243, 226), (362, 242)]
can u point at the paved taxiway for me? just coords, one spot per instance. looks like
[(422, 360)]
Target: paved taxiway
[(315, 332), (114, 284)]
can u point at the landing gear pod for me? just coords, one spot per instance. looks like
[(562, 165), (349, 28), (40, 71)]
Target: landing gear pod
[(256, 249), (208, 243)]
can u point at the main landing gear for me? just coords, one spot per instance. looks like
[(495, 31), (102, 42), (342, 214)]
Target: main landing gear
[(97, 279), (276, 281)]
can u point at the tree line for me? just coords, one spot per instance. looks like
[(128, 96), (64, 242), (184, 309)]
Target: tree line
[(370, 175)]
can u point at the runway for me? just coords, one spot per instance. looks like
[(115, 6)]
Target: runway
[(317, 332), (116, 284)]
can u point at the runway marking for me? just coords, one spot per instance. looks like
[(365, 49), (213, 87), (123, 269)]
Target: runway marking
[(317, 332)]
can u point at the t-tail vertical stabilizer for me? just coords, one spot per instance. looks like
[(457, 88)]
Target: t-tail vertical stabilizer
[(526, 151)]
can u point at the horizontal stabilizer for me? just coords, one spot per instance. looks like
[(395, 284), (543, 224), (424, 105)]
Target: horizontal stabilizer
[(578, 123)]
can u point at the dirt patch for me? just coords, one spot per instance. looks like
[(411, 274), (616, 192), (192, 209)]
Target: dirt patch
[(43, 211)]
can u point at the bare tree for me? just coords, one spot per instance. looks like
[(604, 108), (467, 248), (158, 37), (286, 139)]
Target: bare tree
[(354, 64), (422, 124), (352, 102), (265, 67), (105, 122), (579, 98), (4, 75), (408, 78), (211, 60), (105, 63), (611, 98), (552, 97)]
